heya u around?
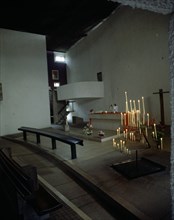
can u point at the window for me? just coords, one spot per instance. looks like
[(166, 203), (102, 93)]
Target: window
[(56, 84), (55, 74)]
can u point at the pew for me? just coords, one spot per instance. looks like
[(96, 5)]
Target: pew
[(72, 141), (23, 196)]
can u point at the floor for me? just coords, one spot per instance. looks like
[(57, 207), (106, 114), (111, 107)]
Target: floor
[(88, 186)]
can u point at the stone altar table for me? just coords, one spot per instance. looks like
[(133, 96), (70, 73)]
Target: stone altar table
[(106, 120)]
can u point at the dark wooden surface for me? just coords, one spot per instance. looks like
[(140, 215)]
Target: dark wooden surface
[(17, 186)]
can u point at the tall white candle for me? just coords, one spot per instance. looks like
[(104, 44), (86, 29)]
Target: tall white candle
[(126, 133), (135, 109), (127, 108), (148, 119), (139, 105), (143, 106), (121, 118), (155, 132), (131, 105), (161, 143), (125, 119), (113, 142), (126, 96)]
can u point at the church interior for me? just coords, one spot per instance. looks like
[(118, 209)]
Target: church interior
[(86, 114)]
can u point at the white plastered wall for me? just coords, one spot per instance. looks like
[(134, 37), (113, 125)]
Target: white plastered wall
[(24, 77), (131, 50)]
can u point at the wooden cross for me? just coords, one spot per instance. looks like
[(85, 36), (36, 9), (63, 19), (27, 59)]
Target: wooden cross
[(161, 92)]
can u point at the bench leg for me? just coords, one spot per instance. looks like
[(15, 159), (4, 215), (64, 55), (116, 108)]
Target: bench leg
[(38, 138), (73, 151), (53, 143), (24, 135)]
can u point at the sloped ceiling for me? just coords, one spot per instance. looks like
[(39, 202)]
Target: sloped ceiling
[(63, 22)]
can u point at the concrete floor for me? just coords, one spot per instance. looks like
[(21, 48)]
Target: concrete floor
[(91, 185)]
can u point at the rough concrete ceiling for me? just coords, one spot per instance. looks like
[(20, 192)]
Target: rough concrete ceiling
[(63, 22)]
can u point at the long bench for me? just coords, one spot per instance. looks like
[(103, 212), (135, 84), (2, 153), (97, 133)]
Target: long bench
[(72, 141), (25, 196)]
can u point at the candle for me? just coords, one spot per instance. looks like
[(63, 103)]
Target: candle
[(131, 105), (126, 95), (125, 119), (134, 106), (143, 110), (121, 118), (161, 143), (143, 104), (121, 145), (113, 142), (155, 132), (148, 119), (119, 131), (139, 105), (126, 133), (138, 118), (127, 109)]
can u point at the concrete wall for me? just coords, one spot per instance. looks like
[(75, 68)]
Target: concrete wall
[(23, 73), (131, 50)]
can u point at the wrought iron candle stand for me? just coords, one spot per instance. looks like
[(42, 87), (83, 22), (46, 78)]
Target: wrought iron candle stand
[(137, 167)]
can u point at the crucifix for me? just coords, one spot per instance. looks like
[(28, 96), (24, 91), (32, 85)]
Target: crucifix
[(161, 92)]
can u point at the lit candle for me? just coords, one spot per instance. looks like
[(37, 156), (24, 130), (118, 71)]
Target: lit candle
[(126, 133), (134, 106), (127, 109), (121, 145), (143, 104), (155, 133), (126, 96), (121, 118), (161, 143), (113, 142), (143, 110), (125, 119), (148, 119), (139, 105), (117, 131)]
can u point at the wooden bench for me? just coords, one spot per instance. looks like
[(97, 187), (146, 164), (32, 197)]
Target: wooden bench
[(72, 141), (26, 197)]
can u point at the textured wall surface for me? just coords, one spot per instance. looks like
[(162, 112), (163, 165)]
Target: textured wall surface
[(171, 60), (160, 6), (164, 7)]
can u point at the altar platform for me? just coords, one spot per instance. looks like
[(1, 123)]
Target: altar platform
[(105, 120), (146, 198)]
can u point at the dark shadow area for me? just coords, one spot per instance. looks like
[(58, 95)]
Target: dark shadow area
[(137, 168)]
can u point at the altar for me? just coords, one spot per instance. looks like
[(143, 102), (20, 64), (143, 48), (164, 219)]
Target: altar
[(105, 120)]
